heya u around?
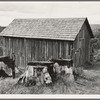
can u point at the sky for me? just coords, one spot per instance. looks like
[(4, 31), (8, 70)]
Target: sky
[(11, 10)]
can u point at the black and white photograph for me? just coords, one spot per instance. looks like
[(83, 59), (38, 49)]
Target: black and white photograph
[(50, 47)]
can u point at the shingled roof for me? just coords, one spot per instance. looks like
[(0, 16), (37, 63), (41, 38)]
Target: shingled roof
[(2, 28), (45, 28)]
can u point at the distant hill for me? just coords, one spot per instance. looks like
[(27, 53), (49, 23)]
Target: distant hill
[(2, 28), (96, 29)]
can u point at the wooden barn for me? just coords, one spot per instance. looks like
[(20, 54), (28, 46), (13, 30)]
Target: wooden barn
[(43, 38)]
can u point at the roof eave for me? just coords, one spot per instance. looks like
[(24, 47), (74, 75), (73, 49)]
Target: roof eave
[(72, 39)]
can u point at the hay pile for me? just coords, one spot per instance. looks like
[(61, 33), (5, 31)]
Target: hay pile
[(88, 82), (61, 86)]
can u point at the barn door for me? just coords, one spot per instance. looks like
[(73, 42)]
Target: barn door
[(77, 58), (81, 47), (79, 54)]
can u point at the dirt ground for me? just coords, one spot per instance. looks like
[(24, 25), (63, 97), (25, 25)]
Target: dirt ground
[(88, 85)]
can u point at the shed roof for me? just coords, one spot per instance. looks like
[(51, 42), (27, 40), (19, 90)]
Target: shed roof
[(44, 28)]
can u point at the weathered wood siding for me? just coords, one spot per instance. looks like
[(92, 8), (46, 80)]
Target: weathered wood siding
[(36, 49), (1, 46), (82, 46)]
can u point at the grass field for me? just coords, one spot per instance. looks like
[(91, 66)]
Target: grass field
[(88, 85)]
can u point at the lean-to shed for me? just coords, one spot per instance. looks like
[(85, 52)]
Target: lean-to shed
[(43, 38)]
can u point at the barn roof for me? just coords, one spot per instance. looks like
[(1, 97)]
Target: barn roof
[(45, 28), (2, 28)]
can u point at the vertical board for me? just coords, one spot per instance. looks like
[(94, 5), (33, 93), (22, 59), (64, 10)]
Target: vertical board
[(33, 49), (65, 55), (29, 50), (47, 55), (54, 49), (6, 48), (39, 50), (45, 46), (57, 50), (36, 49), (43, 50), (67, 49), (50, 54), (25, 48), (60, 49)]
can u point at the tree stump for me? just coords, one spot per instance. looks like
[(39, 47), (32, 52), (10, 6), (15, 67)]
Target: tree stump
[(32, 76), (28, 77)]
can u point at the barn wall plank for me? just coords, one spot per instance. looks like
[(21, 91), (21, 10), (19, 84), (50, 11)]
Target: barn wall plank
[(35, 49), (49, 50)]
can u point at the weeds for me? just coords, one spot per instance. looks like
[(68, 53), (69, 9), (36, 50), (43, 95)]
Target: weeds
[(88, 83)]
